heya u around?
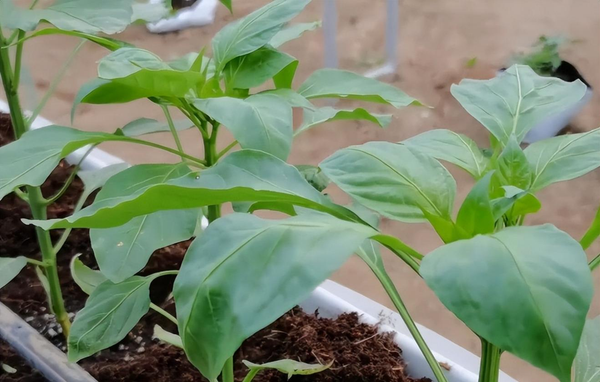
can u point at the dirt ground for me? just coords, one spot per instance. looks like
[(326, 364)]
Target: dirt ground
[(437, 38)]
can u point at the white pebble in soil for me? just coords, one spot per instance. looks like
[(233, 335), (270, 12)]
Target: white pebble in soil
[(138, 340), (52, 333), (141, 349)]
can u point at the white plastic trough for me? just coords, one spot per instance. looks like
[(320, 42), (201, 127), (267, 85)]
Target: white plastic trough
[(331, 299)]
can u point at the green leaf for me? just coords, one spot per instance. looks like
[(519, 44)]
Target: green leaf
[(526, 290), (253, 31), (293, 32), (260, 122), (88, 16), (289, 367), (587, 362), (143, 126), (592, 233), (291, 97), (86, 278), (476, 214), (563, 158), (110, 312), (227, 4), (123, 251), (254, 69), (10, 268), (245, 272), (516, 100), (327, 114), (105, 42), (242, 176), (451, 147), (150, 11), (513, 166), (126, 61), (314, 176), (142, 84), (335, 83), (33, 157), (94, 179), (167, 337), (393, 180)]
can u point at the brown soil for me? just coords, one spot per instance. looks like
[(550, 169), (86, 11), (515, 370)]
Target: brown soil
[(357, 351)]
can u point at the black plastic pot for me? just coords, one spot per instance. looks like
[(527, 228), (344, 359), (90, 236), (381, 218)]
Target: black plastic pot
[(38, 351)]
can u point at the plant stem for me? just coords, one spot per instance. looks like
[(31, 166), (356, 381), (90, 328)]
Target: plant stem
[(54, 84), (211, 158), (36, 262), (251, 374), (489, 370), (227, 374), (163, 312), (595, 263), (164, 148), (226, 149), (392, 292), (38, 211), (12, 94), (69, 180), (18, 59), (173, 130)]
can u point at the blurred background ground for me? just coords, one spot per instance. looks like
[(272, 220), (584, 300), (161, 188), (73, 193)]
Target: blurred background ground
[(437, 38)]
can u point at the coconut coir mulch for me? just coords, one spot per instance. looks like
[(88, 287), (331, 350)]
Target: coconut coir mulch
[(358, 353)]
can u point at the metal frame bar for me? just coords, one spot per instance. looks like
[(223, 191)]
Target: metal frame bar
[(330, 20)]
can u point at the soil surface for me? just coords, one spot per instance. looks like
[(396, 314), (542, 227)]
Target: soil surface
[(358, 352)]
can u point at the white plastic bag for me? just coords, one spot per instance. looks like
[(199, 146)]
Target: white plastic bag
[(200, 14)]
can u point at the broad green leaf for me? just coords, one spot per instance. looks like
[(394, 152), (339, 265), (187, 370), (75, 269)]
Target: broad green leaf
[(253, 31), (260, 122), (123, 251), (150, 11), (33, 157), (105, 42), (513, 166), (563, 158), (227, 4), (143, 126), (110, 312), (86, 278), (526, 290), (587, 362), (126, 61), (242, 176), (10, 268), (254, 69), (327, 114), (335, 83), (87, 16), (394, 180), (293, 32), (314, 176), (94, 179), (167, 337), (142, 84), (476, 214), (291, 97), (451, 147), (515, 202), (289, 367), (245, 272), (517, 100)]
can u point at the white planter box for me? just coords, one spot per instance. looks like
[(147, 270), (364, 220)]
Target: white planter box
[(332, 299)]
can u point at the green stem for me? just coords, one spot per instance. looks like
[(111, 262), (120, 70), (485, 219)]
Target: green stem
[(69, 180), (164, 273), (173, 129), (392, 292), (226, 149), (190, 113), (211, 158), (38, 211), (489, 370), (36, 262), (65, 235), (164, 148), (592, 233), (54, 84), (227, 374), (163, 312), (18, 60), (251, 374), (595, 263), (11, 91)]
